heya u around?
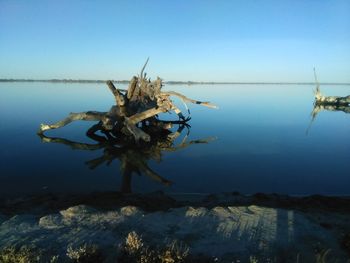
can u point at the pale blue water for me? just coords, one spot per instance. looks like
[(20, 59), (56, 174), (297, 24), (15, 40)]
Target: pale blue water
[(261, 144)]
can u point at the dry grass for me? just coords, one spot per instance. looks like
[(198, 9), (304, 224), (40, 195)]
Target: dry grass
[(25, 255), (135, 250), (84, 254), (20, 255)]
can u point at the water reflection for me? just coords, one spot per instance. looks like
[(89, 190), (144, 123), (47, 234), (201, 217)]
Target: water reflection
[(318, 108), (133, 156), (326, 107)]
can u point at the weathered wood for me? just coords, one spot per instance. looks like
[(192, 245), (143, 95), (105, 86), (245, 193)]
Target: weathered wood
[(84, 116), (327, 103), (145, 115), (132, 87), (141, 102), (320, 99), (331, 100), (136, 132), (119, 97), (203, 103), (107, 119)]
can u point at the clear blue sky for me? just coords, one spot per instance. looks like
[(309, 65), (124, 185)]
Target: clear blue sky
[(185, 40)]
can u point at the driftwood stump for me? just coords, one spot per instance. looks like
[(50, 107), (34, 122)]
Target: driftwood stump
[(136, 108), (321, 100), (327, 103)]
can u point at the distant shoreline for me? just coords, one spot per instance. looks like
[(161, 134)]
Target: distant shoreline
[(169, 82)]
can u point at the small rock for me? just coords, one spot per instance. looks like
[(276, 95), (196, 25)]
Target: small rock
[(78, 210), (51, 221)]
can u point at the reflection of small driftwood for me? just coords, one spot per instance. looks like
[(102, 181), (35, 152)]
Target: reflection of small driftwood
[(319, 108), (327, 103), (139, 104), (133, 157)]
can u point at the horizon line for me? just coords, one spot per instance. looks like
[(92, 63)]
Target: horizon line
[(171, 82)]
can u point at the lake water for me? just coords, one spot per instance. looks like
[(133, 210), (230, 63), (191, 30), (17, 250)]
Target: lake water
[(261, 145)]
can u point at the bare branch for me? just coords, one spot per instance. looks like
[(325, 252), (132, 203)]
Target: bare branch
[(82, 116), (119, 97), (206, 104), (143, 68)]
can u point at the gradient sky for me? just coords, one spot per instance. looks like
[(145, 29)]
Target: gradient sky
[(185, 40)]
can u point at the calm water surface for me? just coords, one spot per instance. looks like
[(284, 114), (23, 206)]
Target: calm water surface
[(261, 145)]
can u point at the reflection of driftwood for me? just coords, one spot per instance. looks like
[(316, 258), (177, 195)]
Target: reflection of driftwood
[(140, 103), (133, 157), (318, 108)]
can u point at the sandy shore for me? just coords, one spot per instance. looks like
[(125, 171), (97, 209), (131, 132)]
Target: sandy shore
[(226, 227)]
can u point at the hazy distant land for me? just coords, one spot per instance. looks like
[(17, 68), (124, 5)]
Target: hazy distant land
[(171, 82)]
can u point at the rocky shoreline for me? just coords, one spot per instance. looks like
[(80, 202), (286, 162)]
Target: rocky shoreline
[(155, 227)]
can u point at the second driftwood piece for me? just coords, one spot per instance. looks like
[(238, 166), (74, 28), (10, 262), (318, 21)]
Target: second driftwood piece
[(136, 107), (320, 99), (327, 103)]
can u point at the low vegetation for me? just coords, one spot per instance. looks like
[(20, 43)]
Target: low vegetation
[(85, 254), (134, 250)]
